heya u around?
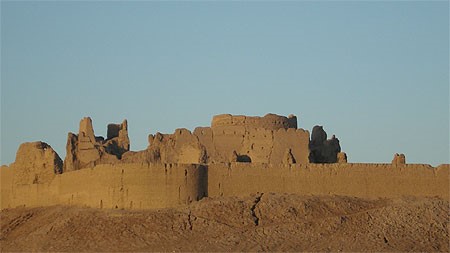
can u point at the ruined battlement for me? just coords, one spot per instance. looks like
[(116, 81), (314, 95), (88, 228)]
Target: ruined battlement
[(269, 139), (269, 121), (236, 155)]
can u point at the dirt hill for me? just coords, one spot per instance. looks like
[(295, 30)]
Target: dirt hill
[(263, 222)]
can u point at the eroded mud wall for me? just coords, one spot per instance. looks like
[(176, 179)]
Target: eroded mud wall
[(124, 186), (358, 180)]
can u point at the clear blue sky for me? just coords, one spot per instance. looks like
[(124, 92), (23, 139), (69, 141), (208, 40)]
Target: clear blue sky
[(375, 74)]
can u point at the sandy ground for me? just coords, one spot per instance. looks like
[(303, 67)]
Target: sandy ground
[(262, 222)]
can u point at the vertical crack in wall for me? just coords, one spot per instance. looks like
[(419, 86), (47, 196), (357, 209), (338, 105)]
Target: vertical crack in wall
[(189, 220), (253, 207), (214, 145), (272, 133), (244, 137), (121, 192)]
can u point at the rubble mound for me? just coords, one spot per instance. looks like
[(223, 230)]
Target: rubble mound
[(36, 163)]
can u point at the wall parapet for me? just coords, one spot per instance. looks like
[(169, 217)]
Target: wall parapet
[(269, 121)]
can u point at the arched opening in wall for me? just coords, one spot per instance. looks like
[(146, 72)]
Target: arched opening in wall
[(101, 204), (244, 159)]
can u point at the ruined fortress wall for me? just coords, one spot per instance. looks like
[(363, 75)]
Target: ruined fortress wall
[(267, 139), (269, 121), (127, 186), (6, 180), (358, 180), (259, 144), (150, 186)]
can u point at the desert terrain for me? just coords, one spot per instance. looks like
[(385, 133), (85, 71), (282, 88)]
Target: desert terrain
[(260, 222)]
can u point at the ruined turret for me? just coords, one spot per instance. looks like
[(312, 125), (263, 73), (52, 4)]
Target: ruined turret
[(321, 149), (86, 150), (399, 159), (256, 139), (342, 157), (36, 163), (117, 141)]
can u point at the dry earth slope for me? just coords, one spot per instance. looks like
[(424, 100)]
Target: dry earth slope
[(262, 222)]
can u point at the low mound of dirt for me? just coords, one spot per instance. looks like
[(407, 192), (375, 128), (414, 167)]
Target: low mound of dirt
[(262, 222)]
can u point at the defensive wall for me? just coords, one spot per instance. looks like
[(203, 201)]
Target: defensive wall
[(150, 186), (124, 186), (351, 179), (236, 156)]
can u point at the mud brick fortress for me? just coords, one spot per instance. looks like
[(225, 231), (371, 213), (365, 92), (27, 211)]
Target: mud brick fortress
[(236, 156)]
